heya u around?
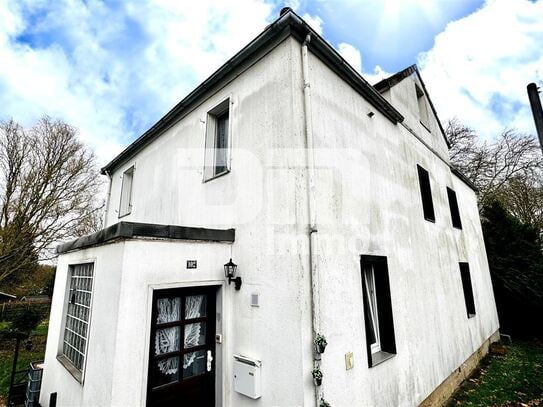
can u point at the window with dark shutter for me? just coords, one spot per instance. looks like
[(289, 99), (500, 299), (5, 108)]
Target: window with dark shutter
[(378, 321), (426, 194), (468, 289), (453, 205)]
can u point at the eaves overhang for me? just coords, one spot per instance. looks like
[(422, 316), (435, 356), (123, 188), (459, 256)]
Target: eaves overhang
[(288, 24), (134, 230)]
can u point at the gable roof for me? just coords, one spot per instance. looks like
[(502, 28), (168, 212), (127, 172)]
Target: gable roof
[(389, 82), (288, 24)]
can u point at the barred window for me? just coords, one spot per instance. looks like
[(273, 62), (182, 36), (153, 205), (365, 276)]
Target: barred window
[(77, 314)]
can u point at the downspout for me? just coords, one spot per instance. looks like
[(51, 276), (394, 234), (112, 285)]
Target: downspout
[(312, 227), (104, 218)]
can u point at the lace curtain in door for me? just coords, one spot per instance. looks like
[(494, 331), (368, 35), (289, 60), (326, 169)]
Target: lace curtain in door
[(193, 309), (167, 340)]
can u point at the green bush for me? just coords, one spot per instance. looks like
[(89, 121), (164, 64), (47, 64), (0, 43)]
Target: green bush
[(26, 321)]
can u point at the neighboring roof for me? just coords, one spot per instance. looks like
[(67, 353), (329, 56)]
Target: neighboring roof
[(389, 82), (289, 23), (131, 230)]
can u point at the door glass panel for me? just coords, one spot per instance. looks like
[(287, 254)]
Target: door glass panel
[(195, 334), (166, 371), (195, 306), (194, 363), (168, 310), (167, 340)]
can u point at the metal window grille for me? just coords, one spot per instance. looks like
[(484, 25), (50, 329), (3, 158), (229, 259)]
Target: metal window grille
[(78, 313)]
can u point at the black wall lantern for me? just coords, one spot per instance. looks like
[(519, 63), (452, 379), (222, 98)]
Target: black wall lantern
[(230, 273)]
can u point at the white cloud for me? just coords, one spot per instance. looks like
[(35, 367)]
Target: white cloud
[(377, 75), (113, 69), (351, 55), (314, 22), (480, 65)]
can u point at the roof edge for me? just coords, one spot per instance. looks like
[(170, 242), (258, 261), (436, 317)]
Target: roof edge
[(131, 230), (289, 23), (465, 179), (389, 82)]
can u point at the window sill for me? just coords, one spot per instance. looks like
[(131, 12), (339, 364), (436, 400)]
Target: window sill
[(471, 316), (379, 357), (77, 375), (124, 215), (457, 227), (220, 174), (430, 220)]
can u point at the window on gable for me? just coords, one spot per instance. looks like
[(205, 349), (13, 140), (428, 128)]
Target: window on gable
[(453, 206), (217, 141), (125, 205), (426, 194), (78, 308), (423, 108), (468, 289), (378, 321)]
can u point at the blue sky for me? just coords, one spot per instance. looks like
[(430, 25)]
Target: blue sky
[(113, 68)]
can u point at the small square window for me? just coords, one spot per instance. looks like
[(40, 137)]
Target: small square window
[(426, 194), (217, 155), (468, 289), (453, 206), (378, 321), (125, 204)]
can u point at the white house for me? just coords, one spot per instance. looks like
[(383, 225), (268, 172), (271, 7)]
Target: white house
[(338, 203)]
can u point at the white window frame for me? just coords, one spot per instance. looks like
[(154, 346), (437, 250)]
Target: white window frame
[(127, 187), (76, 371), (369, 277), (210, 158)]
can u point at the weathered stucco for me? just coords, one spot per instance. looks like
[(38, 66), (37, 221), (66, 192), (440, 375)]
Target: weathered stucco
[(368, 202), (373, 203)]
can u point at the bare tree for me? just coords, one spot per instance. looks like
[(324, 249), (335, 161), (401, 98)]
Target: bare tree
[(491, 165), (49, 189)]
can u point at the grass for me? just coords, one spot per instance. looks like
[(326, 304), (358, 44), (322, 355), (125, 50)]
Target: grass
[(515, 379), (7, 347)]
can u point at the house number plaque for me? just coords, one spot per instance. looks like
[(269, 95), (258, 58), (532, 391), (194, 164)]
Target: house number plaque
[(191, 264)]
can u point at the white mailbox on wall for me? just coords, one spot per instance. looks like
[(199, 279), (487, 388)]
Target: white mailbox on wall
[(247, 377)]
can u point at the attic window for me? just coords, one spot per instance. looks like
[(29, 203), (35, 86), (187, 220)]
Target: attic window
[(423, 108), (217, 159), (125, 205)]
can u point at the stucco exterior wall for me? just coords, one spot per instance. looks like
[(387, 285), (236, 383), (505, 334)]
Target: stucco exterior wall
[(264, 198), (96, 388), (403, 96), (369, 203)]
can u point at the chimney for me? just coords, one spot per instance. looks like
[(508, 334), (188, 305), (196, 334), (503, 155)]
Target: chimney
[(535, 103)]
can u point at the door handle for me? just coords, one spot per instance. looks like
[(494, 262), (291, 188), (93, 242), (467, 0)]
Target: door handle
[(209, 360)]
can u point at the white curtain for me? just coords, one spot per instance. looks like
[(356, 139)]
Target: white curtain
[(193, 305), (167, 340)]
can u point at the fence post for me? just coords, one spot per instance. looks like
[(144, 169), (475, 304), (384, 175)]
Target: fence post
[(13, 369)]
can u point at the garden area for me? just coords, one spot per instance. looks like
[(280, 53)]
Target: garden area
[(32, 347), (514, 379)]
